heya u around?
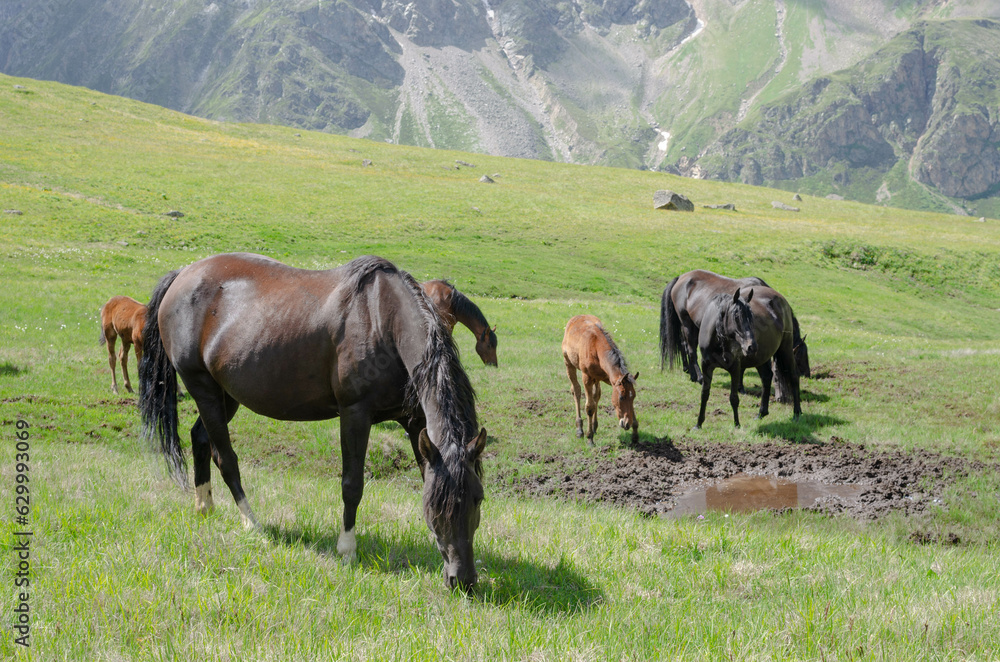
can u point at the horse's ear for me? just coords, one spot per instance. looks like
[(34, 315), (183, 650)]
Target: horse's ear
[(635, 377), (749, 296), (494, 328), (803, 341), (475, 447), (427, 448), (736, 296)]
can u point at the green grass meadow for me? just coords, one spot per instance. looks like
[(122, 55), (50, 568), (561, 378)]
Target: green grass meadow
[(902, 312)]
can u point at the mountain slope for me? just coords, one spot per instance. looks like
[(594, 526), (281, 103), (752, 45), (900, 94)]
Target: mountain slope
[(922, 111), (632, 83)]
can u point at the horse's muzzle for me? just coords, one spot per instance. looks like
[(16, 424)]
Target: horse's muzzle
[(453, 582)]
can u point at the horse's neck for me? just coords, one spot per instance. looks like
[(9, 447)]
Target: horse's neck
[(462, 310), (605, 356)]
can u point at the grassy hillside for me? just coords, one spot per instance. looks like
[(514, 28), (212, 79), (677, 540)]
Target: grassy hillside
[(903, 323)]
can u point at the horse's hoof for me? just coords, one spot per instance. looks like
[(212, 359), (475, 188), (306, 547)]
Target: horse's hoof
[(579, 434)]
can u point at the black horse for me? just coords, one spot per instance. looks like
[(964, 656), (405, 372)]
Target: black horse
[(685, 296), (361, 342), (738, 331)]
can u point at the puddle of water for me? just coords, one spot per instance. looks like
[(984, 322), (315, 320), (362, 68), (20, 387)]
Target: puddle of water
[(744, 494)]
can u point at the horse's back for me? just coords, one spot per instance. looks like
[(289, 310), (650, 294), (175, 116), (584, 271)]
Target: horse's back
[(265, 331), (124, 316), (581, 338)]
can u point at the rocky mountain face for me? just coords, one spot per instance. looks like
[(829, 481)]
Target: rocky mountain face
[(812, 95), (926, 103)]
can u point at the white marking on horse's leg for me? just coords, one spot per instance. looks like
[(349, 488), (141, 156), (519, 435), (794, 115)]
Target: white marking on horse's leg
[(249, 521), (203, 498), (347, 545)]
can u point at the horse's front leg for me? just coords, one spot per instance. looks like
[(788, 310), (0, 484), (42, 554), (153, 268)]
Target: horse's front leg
[(734, 394), (355, 428), (706, 387), (593, 389), (413, 425), (766, 377)]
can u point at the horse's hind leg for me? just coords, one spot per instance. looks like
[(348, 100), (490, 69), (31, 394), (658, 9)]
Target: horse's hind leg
[(575, 383), (111, 337), (788, 372), (215, 409), (203, 451), (123, 357), (689, 350), (355, 428)]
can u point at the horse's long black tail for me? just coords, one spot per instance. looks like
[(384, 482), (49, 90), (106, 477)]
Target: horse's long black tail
[(670, 328), (158, 388)]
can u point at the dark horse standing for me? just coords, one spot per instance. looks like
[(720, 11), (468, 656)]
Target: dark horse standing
[(360, 342), (736, 331), (686, 297), (455, 307)]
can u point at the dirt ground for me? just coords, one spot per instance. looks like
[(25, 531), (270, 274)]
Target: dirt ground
[(650, 476)]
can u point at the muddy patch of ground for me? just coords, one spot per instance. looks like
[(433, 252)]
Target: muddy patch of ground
[(650, 476)]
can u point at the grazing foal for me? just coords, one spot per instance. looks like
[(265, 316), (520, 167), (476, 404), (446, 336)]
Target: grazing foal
[(587, 347), (454, 307), (125, 318)]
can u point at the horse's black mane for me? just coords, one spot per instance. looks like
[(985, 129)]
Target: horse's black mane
[(614, 354), (440, 375), (462, 305)]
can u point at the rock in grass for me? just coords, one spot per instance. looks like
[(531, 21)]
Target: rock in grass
[(730, 206), (672, 201), (175, 214), (782, 205), (486, 179), (13, 212)]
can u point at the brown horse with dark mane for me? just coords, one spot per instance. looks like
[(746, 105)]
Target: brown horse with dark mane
[(588, 347), (360, 342), (743, 329), (125, 318), (455, 307)]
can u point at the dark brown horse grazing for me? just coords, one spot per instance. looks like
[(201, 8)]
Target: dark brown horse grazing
[(587, 347), (744, 329), (125, 318), (454, 307), (684, 299), (360, 342)]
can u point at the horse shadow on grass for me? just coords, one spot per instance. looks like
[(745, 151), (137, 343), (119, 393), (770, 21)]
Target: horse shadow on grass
[(801, 430), (503, 581)]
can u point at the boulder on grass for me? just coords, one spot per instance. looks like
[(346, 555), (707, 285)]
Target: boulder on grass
[(663, 199)]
